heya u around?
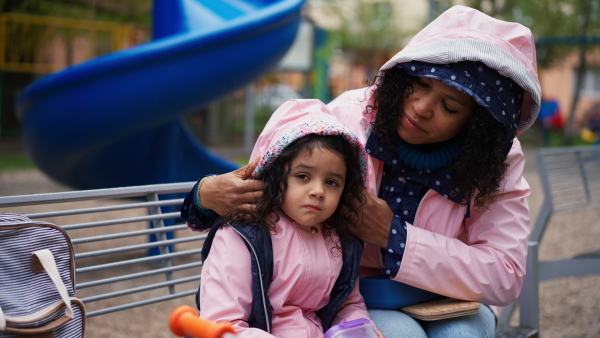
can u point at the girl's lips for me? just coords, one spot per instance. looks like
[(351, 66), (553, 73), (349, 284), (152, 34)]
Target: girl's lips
[(411, 125), (312, 207)]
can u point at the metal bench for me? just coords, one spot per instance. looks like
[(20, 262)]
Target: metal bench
[(110, 229), (118, 265), (570, 179)]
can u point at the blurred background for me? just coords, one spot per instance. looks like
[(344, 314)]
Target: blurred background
[(339, 45), (81, 106)]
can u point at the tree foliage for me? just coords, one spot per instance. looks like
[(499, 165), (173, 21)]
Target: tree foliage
[(549, 19), (558, 27), (369, 29), (371, 26), (137, 12)]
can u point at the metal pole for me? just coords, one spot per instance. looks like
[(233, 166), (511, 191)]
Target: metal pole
[(431, 14), (248, 119), (529, 302)]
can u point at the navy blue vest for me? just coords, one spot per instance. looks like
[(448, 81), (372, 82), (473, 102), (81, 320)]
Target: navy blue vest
[(258, 242)]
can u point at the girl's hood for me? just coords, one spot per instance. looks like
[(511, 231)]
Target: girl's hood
[(295, 119)]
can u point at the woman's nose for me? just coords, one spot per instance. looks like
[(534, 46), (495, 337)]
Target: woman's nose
[(423, 106)]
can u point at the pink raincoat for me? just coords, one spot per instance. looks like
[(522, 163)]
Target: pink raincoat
[(481, 258), (305, 265)]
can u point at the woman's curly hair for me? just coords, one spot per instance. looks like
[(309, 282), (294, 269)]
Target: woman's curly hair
[(276, 174), (481, 165)]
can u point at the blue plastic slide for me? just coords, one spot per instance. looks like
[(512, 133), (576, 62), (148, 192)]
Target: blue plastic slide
[(117, 120)]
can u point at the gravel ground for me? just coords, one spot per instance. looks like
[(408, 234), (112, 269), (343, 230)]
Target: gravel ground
[(569, 306)]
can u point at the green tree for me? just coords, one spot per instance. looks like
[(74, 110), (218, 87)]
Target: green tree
[(367, 29), (23, 39), (137, 12), (559, 27)]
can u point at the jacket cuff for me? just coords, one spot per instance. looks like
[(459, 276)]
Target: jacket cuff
[(393, 253), (196, 218)]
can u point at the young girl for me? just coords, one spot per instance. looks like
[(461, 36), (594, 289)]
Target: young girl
[(449, 212), (291, 267)]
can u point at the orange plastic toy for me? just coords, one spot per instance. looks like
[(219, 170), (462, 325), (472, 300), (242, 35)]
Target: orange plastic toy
[(185, 322)]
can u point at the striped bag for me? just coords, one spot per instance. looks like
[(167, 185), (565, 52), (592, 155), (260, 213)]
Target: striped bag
[(37, 281)]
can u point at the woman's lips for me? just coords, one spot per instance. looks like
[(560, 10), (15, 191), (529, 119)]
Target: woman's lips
[(411, 125)]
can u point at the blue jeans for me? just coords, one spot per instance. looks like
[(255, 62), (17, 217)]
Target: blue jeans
[(394, 323)]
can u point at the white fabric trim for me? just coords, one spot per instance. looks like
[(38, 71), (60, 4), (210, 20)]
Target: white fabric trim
[(2, 321)]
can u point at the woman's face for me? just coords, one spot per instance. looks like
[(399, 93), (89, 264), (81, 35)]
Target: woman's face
[(434, 112)]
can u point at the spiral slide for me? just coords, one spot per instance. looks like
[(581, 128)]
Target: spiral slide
[(117, 120)]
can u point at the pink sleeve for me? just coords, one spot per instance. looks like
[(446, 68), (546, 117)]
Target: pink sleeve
[(225, 289), (352, 308), (487, 264)]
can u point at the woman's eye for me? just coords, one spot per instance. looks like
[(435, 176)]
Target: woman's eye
[(422, 84), (449, 109)]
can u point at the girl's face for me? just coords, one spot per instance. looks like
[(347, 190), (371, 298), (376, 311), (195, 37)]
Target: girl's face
[(315, 185), (434, 112)]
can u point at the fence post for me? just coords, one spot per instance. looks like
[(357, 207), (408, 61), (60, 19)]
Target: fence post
[(529, 302)]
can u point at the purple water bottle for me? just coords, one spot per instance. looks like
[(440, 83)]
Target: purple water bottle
[(358, 328)]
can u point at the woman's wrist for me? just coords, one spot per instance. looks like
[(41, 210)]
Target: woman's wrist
[(197, 196)]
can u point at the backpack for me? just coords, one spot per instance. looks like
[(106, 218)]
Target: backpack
[(37, 281)]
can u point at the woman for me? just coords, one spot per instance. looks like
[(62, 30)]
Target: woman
[(446, 209)]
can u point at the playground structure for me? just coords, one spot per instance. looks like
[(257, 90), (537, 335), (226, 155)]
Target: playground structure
[(117, 120)]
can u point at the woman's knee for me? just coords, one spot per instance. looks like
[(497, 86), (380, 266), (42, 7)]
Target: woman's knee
[(396, 324), (479, 325)]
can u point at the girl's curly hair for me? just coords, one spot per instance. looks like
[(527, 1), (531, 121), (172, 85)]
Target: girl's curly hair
[(275, 184), (481, 165)]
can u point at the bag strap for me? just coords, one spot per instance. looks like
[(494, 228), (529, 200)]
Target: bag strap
[(43, 260), (2, 320)]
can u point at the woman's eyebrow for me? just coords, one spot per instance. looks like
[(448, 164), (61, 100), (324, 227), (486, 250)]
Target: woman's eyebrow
[(449, 96), (456, 99)]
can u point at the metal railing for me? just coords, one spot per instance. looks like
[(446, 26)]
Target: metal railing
[(131, 247), (570, 178)]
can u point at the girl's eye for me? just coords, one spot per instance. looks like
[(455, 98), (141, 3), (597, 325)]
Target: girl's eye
[(302, 177), (332, 183)]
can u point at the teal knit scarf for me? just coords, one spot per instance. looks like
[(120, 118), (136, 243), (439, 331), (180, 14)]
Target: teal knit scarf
[(430, 156)]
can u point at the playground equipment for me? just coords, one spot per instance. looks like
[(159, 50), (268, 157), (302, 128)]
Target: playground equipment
[(185, 322), (117, 120)]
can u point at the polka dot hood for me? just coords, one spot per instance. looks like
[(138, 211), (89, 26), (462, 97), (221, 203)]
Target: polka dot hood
[(465, 34), (499, 95), (295, 119)]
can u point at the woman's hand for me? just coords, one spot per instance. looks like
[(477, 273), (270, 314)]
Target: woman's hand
[(375, 220), (232, 192)]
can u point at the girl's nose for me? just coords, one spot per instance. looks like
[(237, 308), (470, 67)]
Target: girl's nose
[(317, 190)]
